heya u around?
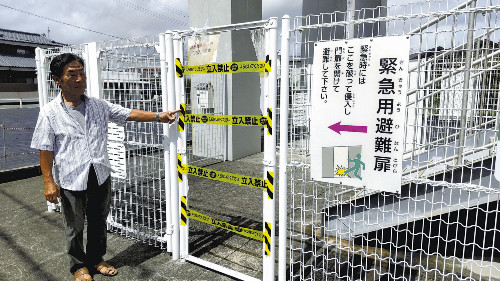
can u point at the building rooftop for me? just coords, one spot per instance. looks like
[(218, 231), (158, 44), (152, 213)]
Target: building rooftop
[(17, 62), (33, 39)]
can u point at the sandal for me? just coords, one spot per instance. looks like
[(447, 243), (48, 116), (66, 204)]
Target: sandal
[(82, 274), (105, 269)]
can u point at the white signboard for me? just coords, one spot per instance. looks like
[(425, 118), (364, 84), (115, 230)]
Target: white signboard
[(357, 116), (202, 49), (116, 151)]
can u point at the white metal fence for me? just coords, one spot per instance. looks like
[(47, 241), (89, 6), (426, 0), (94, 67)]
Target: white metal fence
[(140, 73), (444, 223)]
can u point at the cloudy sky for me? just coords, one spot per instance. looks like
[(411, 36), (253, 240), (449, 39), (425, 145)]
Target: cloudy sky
[(77, 21)]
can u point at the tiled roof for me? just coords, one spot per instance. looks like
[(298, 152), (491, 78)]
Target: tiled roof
[(11, 61), (25, 37)]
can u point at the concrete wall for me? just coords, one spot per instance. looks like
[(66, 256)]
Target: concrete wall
[(243, 89)]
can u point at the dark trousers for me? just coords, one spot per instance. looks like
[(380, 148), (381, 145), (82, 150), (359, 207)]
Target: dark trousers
[(94, 204)]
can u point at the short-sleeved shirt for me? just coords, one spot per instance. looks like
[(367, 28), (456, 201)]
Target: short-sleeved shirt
[(76, 149)]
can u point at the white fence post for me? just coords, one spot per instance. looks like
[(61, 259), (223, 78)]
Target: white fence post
[(181, 150), (93, 74), (39, 70), (166, 149), (270, 157), (172, 139), (43, 74), (42, 94), (283, 175)]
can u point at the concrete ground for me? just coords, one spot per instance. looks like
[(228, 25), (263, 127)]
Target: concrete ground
[(32, 240)]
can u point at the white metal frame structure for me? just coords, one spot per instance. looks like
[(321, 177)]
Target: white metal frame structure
[(444, 223), (269, 93), (140, 73)]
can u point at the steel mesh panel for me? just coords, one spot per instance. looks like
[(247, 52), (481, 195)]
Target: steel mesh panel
[(205, 94), (130, 75), (443, 225)]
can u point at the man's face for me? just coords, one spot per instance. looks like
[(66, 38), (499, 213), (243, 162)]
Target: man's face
[(73, 80)]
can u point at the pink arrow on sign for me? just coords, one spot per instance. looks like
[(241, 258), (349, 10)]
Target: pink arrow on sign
[(337, 127)]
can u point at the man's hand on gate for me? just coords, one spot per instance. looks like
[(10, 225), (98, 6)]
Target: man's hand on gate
[(168, 116), (52, 192)]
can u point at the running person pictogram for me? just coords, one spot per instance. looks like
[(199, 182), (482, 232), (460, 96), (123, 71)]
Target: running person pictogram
[(356, 167)]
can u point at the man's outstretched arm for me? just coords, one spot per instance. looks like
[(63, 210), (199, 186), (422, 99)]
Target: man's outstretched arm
[(147, 116)]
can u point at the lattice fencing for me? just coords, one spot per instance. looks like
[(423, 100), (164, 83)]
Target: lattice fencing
[(128, 73), (444, 223)]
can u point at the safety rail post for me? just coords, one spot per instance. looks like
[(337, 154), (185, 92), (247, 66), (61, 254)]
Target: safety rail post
[(166, 149), (181, 152), (172, 140), (283, 175), (270, 156)]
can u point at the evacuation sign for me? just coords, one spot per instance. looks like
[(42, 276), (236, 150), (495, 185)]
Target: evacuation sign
[(358, 104)]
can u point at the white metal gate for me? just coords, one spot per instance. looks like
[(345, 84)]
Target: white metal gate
[(444, 223), (187, 163)]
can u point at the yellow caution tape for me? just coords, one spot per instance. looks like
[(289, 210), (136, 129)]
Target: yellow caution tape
[(224, 176), (179, 167), (247, 232), (233, 120), (267, 239), (183, 210), (182, 117), (269, 122), (225, 67), (178, 68), (268, 64), (270, 184)]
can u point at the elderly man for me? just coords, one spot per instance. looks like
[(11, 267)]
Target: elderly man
[(71, 134)]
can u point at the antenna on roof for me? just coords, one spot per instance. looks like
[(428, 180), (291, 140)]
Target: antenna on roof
[(48, 32)]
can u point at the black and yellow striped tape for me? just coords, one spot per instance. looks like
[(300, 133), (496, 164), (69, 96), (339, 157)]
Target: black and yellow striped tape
[(268, 64), (247, 232), (269, 122), (270, 184), (183, 210), (179, 167), (267, 238), (224, 176), (225, 67), (178, 68), (182, 117), (232, 120)]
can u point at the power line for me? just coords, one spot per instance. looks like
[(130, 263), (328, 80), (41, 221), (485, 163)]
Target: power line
[(72, 25), (149, 12), (158, 4)]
